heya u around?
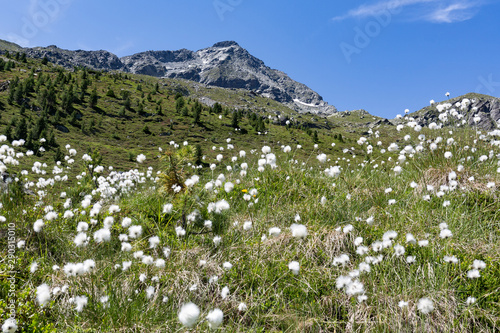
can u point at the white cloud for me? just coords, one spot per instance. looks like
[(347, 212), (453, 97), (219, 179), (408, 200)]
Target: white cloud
[(438, 11), (377, 8), (456, 12)]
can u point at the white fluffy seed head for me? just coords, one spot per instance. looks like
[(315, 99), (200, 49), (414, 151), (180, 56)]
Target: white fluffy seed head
[(43, 294), (298, 230), (188, 315), (215, 318), (294, 266)]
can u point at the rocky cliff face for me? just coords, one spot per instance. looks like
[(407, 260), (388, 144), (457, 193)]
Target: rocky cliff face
[(481, 111), (225, 64), (228, 65), (99, 60)]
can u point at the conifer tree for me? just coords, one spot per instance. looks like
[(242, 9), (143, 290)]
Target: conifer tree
[(93, 98), (21, 131)]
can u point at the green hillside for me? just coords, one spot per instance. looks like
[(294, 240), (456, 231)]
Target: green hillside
[(136, 113)]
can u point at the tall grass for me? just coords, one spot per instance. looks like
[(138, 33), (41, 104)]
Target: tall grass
[(288, 192)]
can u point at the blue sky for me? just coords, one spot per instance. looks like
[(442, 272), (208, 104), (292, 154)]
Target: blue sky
[(383, 56)]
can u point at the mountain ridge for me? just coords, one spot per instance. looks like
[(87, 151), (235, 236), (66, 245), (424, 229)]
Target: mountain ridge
[(225, 64)]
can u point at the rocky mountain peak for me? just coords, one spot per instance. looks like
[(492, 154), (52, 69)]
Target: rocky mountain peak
[(225, 64), (226, 44)]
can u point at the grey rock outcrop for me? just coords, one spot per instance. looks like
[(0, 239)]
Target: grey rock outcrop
[(475, 110), (99, 60)]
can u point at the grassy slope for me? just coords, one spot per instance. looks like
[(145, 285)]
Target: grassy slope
[(117, 136), (277, 300)]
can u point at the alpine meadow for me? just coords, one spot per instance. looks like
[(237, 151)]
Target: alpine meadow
[(135, 203)]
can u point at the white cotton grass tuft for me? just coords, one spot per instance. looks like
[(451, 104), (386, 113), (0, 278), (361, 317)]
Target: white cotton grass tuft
[(450, 259), (9, 326), (141, 158), (294, 266), (214, 318), (153, 242), (167, 208), (343, 259), (478, 264), (473, 274), (228, 187), (247, 225), (33, 267), (188, 314), (166, 252), (410, 239), (150, 292), (108, 222), (81, 302), (43, 294), (217, 240), (224, 293), (102, 235), (81, 239), (82, 226), (38, 225), (402, 304), (445, 233), (347, 229), (135, 231), (160, 263), (242, 307), (399, 250), (275, 232), (470, 300), (114, 209), (425, 305), (298, 230), (126, 222)]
